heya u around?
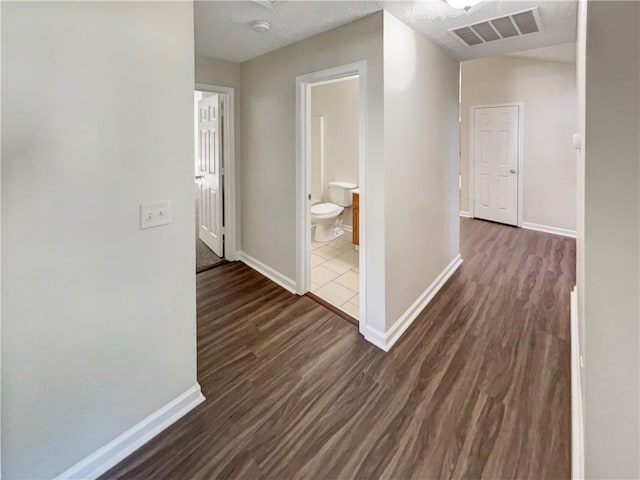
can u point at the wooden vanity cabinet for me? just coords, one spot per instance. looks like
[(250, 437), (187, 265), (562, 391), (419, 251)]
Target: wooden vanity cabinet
[(356, 218)]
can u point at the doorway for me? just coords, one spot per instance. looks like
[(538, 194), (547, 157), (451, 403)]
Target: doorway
[(214, 165), (495, 162), (331, 233)]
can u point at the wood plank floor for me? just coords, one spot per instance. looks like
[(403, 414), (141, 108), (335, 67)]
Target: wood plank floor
[(478, 387)]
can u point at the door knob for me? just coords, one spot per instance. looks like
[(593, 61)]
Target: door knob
[(512, 170), (200, 177)]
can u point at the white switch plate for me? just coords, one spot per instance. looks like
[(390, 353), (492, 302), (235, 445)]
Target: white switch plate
[(155, 214)]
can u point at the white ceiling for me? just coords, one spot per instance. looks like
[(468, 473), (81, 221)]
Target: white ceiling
[(223, 27)]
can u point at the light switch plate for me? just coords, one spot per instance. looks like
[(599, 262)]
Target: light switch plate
[(155, 214)]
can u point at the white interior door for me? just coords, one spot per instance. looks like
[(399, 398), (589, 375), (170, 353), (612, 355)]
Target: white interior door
[(210, 154), (495, 155)]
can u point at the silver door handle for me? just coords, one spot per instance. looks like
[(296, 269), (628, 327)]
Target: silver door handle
[(512, 171), (199, 177)]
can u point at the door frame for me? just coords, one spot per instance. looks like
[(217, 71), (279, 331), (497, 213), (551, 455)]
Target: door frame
[(303, 173), (229, 183), (520, 173)]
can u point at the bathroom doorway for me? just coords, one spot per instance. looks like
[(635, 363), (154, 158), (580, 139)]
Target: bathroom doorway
[(331, 191)]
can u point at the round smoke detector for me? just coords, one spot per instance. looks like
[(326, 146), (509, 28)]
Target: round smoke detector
[(260, 26)]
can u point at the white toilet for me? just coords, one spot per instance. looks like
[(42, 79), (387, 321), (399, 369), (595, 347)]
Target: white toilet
[(327, 216)]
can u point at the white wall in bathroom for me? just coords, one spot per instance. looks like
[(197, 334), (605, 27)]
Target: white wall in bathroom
[(317, 159), (337, 104)]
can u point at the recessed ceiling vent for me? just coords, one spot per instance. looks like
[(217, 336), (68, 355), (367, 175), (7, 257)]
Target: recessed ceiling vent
[(514, 25)]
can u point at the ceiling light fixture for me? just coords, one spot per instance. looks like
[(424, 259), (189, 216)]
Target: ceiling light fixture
[(463, 4), (260, 26)]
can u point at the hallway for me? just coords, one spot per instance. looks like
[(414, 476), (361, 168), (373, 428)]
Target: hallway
[(479, 386)]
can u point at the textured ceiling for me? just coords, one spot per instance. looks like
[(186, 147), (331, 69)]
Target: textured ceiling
[(223, 27)]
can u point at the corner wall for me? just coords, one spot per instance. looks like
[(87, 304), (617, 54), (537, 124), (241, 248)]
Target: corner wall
[(98, 317), (546, 83), (421, 165), (612, 241)]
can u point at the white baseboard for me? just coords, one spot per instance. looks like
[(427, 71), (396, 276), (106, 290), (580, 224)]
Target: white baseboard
[(374, 336), (577, 422), (407, 318), (465, 214), (548, 229), (386, 340), (347, 228), (267, 271), (117, 449)]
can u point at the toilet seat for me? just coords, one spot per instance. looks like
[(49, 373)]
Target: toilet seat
[(326, 210)]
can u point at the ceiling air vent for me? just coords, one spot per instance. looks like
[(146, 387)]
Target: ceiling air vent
[(514, 25)]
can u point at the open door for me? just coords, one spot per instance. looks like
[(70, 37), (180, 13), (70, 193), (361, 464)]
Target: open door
[(210, 178)]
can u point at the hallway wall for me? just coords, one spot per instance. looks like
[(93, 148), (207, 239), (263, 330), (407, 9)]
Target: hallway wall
[(98, 316), (544, 80), (611, 240)]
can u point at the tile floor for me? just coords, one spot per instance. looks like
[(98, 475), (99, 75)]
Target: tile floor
[(334, 273)]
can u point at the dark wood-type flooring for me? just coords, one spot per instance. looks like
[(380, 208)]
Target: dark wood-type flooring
[(478, 387)]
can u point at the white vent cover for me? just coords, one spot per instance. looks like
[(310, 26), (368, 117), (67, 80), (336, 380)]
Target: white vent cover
[(270, 4), (514, 25)]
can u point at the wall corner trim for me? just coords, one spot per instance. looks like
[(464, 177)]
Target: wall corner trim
[(548, 229), (465, 214), (273, 275), (577, 422), (374, 336), (407, 318), (123, 445)]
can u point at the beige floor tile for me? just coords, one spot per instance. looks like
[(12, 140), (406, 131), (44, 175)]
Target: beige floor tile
[(317, 260), (327, 252), (342, 245), (314, 286), (335, 293), (350, 256), (355, 300), (338, 265), (351, 309), (321, 275), (350, 280)]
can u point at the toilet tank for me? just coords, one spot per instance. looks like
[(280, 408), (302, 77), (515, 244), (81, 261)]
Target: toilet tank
[(340, 193)]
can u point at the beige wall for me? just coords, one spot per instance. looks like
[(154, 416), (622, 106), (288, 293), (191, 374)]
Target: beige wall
[(337, 103), (268, 149), (421, 166), (213, 71), (548, 90), (98, 317), (612, 241)]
